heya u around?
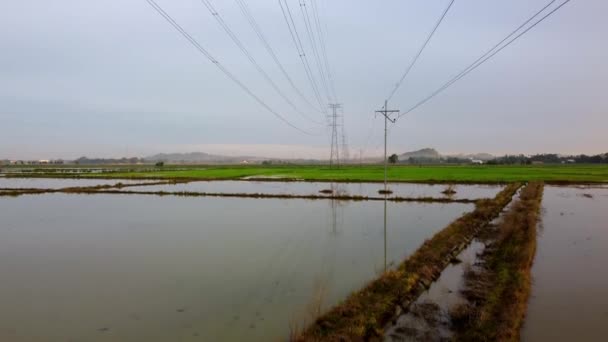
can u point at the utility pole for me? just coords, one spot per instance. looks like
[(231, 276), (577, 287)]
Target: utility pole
[(386, 113), (361, 157), (334, 156)]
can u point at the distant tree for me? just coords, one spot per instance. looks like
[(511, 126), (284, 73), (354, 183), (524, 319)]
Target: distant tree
[(547, 158), (511, 160), (456, 160), (160, 164), (393, 159)]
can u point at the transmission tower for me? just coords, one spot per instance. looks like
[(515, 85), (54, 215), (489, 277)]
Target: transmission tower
[(334, 157)]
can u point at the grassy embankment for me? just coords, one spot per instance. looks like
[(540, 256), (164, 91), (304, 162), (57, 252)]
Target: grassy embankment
[(498, 292), (368, 173), (15, 192), (364, 314), (118, 189)]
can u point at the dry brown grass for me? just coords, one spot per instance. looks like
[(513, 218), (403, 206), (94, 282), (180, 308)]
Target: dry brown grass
[(312, 310), (450, 190), (498, 291), (14, 192)]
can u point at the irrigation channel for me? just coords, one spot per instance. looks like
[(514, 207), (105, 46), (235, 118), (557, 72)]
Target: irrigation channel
[(95, 260)]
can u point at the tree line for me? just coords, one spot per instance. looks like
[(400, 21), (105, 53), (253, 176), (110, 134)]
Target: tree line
[(550, 158)]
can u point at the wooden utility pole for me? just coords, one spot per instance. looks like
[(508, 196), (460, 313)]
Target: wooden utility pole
[(386, 113)]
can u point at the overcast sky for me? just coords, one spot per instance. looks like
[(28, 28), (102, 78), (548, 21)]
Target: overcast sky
[(113, 78)]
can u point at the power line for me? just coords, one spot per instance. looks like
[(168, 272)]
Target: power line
[(251, 59), (321, 35), (345, 149), (313, 44), (324, 64), (385, 111), (491, 53), (232, 77), (301, 52), (251, 19), (370, 132), (426, 42)]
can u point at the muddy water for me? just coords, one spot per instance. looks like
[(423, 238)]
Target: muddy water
[(570, 274), (58, 183), (313, 188), (138, 268), (445, 292), (428, 317)]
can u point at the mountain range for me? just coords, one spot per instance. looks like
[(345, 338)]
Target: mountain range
[(201, 157), (197, 157)]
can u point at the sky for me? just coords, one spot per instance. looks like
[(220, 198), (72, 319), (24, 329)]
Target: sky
[(112, 78)]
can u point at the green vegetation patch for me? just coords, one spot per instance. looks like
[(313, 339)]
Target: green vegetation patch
[(369, 173)]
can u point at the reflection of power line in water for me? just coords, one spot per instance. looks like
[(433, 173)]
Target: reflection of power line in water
[(273, 269)]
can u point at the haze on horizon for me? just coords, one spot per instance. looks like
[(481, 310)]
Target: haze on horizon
[(113, 79)]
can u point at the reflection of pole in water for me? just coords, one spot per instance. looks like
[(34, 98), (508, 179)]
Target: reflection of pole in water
[(334, 210), (384, 234), (334, 217)]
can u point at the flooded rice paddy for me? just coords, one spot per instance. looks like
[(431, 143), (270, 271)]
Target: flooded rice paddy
[(314, 188), (569, 299), (138, 268)]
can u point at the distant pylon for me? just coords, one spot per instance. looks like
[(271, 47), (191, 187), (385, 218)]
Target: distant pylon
[(334, 156)]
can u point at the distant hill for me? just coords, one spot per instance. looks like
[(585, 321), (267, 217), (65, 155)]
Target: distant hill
[(431, 155), (195, 157), (425, 153), (184, 157), (102, 161)]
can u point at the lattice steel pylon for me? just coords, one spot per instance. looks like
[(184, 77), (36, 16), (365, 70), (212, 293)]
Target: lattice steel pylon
[(334, 157)]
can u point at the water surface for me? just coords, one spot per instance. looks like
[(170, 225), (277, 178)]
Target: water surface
[(569, 299), (443, 296), (314, 188), (140, 268)]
